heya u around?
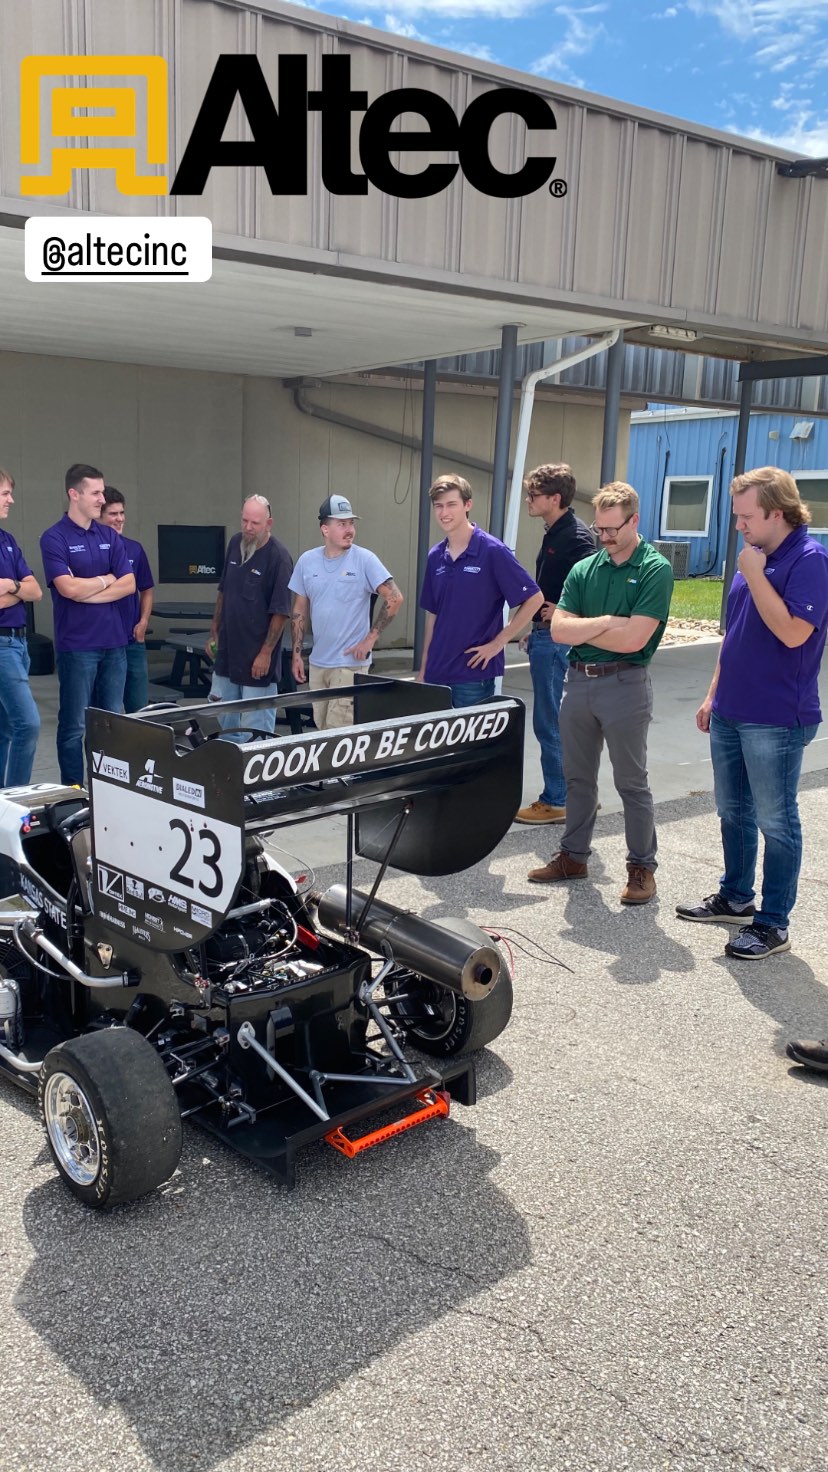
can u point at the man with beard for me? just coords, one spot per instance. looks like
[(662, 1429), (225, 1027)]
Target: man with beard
[(332, 587), (251, 611)]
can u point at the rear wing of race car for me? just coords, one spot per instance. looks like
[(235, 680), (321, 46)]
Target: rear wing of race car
[(428, 787)]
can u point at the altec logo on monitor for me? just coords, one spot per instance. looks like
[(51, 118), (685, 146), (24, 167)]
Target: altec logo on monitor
[(63, 128)]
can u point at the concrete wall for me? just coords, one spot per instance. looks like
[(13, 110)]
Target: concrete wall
[(184, 447)]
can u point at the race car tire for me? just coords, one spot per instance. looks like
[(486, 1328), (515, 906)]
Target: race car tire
[(111, 1116), (442, 1023)]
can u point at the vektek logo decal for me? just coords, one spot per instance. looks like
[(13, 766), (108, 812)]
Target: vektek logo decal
[(278, 142)]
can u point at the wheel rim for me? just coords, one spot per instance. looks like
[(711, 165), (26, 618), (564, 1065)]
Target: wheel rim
[(71, 1127), (427, 1011)]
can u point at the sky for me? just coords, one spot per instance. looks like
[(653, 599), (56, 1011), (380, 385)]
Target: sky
[(754, 67)]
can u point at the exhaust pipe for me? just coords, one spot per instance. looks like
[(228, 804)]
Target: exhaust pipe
[(449, 960)]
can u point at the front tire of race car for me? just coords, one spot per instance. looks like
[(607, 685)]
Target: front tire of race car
[(441, 1022), (111, 1116)]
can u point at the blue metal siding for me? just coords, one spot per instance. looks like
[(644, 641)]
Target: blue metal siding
[(664, 447)]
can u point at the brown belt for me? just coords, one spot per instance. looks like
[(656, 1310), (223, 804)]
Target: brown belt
[(607, 667)]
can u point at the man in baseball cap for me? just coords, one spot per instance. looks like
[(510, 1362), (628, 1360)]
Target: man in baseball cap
[(336, 508), (332, 588)]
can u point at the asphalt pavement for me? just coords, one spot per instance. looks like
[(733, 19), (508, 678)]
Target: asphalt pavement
[(616, 1260)]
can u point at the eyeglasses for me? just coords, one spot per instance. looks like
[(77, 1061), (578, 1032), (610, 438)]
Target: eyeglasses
[(537, 495), (611, 532)]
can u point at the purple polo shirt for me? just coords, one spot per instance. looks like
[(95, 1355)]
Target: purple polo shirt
[(12, 565), (760, 679), (69, 549), (130, 608), (467, 595)]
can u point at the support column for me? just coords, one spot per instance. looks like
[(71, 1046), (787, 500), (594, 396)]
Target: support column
[(745, 398), (503, 428), (424, 522), (612, 409)]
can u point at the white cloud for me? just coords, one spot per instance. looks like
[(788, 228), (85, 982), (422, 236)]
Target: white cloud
[(459, 9), (579, 38), (468, 48), (806, 135), (781, 33), (401, 28)]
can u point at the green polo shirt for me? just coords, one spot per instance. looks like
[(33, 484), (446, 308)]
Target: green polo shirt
[(643, 584)]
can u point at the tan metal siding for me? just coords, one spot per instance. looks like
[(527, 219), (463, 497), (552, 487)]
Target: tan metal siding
[(661, 218)]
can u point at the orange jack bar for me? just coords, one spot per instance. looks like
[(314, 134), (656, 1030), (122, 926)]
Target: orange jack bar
[(434, 1104)]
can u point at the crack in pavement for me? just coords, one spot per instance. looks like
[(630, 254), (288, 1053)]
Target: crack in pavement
[(702, 1443)]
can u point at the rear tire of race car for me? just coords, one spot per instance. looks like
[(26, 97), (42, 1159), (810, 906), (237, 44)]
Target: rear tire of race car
[(444, 1024), (111, 1116)]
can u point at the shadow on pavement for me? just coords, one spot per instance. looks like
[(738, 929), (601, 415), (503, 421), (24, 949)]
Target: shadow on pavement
[(214, 1308)]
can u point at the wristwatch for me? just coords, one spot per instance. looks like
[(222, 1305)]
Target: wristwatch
[(17, 585)]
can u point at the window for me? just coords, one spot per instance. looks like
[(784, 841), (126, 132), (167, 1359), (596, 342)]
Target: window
[(686, 508), (813, 488)]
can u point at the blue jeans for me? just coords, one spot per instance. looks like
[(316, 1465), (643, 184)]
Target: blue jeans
[(471, 692), (86, 677), (548, 664), (19, 717), (136, 689), (756, 773), (223, 688)]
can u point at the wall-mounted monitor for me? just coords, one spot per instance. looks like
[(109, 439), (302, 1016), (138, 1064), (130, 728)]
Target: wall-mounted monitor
[(190, 554)]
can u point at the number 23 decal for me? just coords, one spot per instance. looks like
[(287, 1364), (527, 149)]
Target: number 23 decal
[(211, 853)]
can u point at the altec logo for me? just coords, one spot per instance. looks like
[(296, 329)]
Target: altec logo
[(278, 142)]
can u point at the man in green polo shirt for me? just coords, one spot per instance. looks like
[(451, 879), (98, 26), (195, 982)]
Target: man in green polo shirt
[(612, 613)]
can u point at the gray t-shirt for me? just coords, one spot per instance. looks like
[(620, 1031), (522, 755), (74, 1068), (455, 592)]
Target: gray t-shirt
[(339, 591)]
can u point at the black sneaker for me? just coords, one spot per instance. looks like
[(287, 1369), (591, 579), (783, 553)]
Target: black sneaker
[(756, 942), (809, 1054), (714, 907)]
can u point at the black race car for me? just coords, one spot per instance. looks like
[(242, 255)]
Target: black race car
[(158, 964)]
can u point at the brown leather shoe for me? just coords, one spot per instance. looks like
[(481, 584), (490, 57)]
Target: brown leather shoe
[(540, 812), (640, 886), (561, 866)]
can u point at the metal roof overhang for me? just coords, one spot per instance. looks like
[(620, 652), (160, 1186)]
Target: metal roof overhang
[(361, 316)]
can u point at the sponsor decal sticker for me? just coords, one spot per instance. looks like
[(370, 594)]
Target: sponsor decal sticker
[(110, 883), (109, 766), (149, 781), (113, 920), (191, 792)]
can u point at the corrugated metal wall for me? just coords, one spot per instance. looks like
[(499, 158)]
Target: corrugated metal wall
[(707, 446), (651, 373), (660, 219)]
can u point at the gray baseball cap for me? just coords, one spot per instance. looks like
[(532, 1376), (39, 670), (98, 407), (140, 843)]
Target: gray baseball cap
[(337, 508)]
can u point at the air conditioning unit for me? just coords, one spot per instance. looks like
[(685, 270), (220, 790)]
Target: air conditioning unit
[(678, 556)]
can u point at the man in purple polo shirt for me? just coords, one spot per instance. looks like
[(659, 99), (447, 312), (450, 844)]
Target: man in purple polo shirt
[(762, 709), (469, 577), (88, 572), (135, 611), (19, 717)]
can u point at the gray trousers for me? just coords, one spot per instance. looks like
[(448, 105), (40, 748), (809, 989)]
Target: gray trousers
[(617, 709)]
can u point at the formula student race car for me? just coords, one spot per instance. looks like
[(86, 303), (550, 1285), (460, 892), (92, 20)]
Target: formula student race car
[(158, 964)]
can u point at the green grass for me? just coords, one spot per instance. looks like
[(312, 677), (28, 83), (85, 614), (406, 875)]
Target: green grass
[(697, 598)]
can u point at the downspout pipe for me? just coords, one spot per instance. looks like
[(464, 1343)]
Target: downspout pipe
[(527, 400)]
